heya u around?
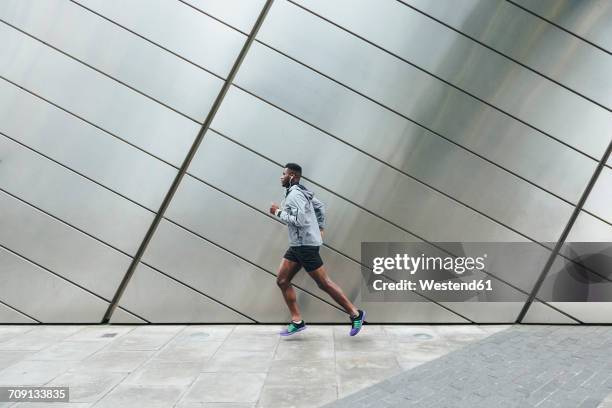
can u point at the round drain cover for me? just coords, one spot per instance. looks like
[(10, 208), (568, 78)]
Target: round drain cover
[(423, 336)]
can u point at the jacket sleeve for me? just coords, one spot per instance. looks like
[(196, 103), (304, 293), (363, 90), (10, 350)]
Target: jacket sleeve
[(319, 209), (294, 210)]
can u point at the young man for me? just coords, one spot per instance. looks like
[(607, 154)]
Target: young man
[(305, 217)]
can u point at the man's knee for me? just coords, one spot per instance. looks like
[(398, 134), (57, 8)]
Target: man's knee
[(283, 282), (324, 283)]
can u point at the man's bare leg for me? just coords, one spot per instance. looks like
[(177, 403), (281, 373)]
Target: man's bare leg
[(286, 272), (324, 282)]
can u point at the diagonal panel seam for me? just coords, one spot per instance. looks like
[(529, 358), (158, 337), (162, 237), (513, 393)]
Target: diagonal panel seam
[(19, 311)]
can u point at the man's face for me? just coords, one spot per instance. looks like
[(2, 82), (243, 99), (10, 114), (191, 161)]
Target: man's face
[(286, 178)]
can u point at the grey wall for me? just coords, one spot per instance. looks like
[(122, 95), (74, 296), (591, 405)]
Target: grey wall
[(414, 121)]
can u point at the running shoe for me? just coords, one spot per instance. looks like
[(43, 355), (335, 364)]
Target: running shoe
[(293, 328), (357, 322)]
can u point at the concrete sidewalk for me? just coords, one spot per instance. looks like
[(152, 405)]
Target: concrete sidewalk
[(217, 366)]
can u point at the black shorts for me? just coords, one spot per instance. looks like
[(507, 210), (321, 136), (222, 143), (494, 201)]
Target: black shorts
[(306, 256)]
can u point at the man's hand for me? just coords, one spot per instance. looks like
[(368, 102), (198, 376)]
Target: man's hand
[(273, 208), (321, 233)]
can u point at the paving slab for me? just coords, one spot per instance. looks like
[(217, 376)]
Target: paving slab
[(226, 387)]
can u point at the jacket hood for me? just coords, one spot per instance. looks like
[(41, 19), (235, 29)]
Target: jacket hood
[(309, 194)]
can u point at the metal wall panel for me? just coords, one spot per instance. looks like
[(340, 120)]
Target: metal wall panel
[(589, 229), (72, 198), (455, 116), (94, 97), (589, 19), (45, 296), (600, 197), (225, 277), (452, 57), (122, 317), (160, 299), (178, 27), (240, 14), (428, 158), (526, 38), (117, 52), (408, 312), (541, 314), (503, 312), (587, 312), (356, 177), (11, 316), (60, 248), (83, 148)]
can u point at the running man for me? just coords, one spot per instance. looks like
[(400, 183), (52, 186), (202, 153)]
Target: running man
[(305, 218)]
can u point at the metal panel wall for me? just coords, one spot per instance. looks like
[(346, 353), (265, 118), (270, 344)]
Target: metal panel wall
[(587, 19), (177, 27), (544, 48), (43, 295), (420, 173), (45, 240), (191, 90), (85, 149), (95, 97), (95, 119), (474, 69), (239, 14), (413, 120)]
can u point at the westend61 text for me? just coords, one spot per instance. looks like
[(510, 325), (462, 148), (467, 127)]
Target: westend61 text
[(429, 285)]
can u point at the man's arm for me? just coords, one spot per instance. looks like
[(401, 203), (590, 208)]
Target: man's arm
[(319, 209), (294, 211)]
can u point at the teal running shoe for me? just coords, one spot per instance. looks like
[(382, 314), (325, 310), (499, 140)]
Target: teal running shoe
[(293, 328)]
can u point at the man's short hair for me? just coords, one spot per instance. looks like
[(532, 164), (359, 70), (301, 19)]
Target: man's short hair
[(296, 168)]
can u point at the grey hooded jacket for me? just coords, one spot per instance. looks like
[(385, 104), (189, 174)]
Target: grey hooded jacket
[(304, 215)]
